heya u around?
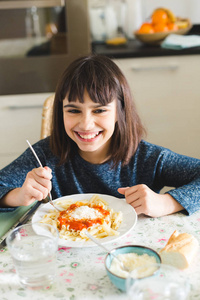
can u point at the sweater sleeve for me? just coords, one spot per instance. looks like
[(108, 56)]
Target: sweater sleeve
[(182, 173)]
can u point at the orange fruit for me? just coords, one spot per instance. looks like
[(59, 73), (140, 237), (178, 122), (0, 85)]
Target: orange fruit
[(172, 26), (146, 28), (159, 16), (160, 27)]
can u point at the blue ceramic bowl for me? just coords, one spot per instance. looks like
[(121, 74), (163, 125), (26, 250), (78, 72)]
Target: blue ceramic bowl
[(118, 281)]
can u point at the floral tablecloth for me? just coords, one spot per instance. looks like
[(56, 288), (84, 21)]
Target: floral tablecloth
[(81, 273)]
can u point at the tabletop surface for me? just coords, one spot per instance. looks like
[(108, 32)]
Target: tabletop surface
[(81, 273)]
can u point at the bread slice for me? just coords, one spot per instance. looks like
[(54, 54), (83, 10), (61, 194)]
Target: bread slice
[(180, 250)]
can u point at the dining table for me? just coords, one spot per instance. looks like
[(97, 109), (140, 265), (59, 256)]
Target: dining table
[(81, 272)]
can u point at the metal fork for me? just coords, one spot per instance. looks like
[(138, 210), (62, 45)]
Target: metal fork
[(49, 195)]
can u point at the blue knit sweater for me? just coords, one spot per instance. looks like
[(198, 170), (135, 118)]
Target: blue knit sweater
[(152, 165)]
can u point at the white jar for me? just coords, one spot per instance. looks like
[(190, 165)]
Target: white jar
[(134, 17)]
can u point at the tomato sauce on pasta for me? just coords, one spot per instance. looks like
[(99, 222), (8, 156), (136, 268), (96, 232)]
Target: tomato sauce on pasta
[(66, 220)]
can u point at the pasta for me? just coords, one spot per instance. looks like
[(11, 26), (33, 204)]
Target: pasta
[(93, 215)]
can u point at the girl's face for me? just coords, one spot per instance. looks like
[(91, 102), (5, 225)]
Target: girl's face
[(90, 125)]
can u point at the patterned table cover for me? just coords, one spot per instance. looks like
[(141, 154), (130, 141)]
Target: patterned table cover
[(81, 273)]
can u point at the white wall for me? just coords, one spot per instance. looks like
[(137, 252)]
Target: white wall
[(182, 8)]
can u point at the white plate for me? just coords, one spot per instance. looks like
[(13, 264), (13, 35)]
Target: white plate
[(129, 218)]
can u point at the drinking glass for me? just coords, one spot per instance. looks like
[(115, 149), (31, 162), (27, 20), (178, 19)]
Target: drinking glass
[(167, 283), (33, 248)]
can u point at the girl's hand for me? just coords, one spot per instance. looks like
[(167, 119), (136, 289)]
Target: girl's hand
[(36, 186), (147, 202)]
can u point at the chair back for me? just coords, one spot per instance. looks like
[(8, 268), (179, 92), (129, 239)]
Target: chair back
[(47, 117)]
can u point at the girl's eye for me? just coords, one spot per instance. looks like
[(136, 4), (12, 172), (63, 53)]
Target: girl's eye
[(74, 111), (99, 111)]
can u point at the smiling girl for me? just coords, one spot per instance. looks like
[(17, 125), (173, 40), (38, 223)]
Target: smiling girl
[(91, 126), (96, 146)]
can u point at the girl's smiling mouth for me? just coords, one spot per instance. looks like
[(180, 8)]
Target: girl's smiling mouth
[(87, 137)]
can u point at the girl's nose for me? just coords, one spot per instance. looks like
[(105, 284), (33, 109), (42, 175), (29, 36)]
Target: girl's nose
[(86, 122)]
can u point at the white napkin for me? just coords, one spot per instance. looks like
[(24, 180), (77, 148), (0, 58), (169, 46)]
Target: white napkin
[(177, 42)]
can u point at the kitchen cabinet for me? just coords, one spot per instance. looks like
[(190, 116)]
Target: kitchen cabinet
[(21, 117), (19, 4), (167, 94), (46, 35)]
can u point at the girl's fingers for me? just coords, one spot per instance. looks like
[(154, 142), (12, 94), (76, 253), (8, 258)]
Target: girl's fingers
[(131, 193), (43, 172), (136, 196), (132, 199), (37, 184), (122, 190), (39, 192), (36, 194), (127, 191), (39, 177), (42, 184)]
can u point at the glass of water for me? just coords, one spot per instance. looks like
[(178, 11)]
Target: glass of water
[(33, 248)]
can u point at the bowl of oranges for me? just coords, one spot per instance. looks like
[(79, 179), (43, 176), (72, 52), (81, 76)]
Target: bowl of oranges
[(162, 23)]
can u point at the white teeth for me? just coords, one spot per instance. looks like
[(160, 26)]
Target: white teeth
[(88, 136)]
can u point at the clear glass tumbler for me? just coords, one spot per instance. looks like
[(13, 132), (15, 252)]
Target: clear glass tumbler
[(167, 283), (33, 248)]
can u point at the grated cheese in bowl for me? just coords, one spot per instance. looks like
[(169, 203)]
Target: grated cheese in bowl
[(133, 261)]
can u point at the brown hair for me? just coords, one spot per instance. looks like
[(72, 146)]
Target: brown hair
[(104, 82)]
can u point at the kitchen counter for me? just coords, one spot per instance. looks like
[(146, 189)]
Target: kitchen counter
[(135, 48)]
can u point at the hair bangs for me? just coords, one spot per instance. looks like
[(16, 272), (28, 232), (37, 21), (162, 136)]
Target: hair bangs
[(99, 83)]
